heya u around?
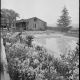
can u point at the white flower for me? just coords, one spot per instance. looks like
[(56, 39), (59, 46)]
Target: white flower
[(76, 71), (36, 61), (8, 44), (16, 59)]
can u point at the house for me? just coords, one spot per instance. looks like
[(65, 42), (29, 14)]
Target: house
[(31, 24)]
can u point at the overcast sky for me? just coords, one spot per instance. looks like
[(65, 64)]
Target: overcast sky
[(47, 10)]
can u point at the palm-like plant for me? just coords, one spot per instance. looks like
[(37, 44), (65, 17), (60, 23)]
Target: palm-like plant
[(29, 40)]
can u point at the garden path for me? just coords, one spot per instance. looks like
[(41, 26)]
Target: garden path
[(5, 75)]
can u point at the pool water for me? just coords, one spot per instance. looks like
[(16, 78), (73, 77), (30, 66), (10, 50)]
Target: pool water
[(56, 44)]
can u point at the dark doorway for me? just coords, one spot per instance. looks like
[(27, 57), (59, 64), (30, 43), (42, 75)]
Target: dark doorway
[(24, 25)]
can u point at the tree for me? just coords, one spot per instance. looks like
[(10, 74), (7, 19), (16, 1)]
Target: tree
[(8, 17), (64, 20)]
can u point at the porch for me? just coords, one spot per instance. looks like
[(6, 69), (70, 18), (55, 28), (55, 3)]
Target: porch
[(21, 26)]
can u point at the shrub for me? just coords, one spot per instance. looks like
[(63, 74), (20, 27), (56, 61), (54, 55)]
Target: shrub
[(29, 40)]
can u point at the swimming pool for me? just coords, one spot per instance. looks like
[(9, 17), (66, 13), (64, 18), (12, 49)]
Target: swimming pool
[(56, 43)]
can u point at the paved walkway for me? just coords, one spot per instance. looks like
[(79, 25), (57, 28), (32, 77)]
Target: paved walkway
[(5, 75)]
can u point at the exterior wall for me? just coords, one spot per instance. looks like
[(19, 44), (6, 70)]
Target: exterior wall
[(40, 25), (20, 26)]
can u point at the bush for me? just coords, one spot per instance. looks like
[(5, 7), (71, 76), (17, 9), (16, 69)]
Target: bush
[(29, 40)]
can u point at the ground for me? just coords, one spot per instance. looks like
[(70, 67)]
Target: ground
[(49, 31)]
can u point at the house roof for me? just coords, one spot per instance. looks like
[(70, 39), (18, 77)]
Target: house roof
[(24, 20)]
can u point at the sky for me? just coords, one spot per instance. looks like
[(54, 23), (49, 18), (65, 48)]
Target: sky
[(47, 10)]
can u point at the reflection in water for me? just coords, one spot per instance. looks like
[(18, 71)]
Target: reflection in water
[(51, 44), (41, 40), (57, 45), (73, 44), (62, 45)]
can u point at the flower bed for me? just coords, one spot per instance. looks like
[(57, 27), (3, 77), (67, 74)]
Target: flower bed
[(26, 62)]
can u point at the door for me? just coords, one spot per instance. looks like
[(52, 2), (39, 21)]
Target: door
[(24, 25)]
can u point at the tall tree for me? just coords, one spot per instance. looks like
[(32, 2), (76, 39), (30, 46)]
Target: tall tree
[(8, 16), (64, 21)]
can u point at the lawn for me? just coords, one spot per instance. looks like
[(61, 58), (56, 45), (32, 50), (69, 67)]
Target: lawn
[(72, 34), (45, 32)]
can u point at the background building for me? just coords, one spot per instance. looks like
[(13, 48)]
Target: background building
[(31, 24)]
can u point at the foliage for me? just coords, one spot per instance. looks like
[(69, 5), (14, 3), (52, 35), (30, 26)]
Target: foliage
[(64, 20), (8, 17), (29, 40), (38, 48), (72, 60), (35, 63)]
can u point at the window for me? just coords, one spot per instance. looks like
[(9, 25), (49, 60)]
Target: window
[(35, 25)]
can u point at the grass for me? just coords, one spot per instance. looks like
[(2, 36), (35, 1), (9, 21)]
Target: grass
[(72, 34), (46, 32)]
